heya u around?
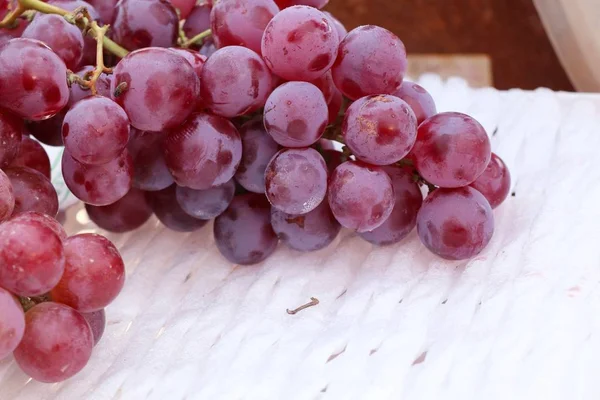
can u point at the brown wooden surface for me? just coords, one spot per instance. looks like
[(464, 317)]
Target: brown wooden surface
[(509, 31)]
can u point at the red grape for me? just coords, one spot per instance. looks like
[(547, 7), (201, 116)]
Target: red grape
[(126, 214), (33, 80), (94, 273), (339, 27), (7, 197), (455, 224), (150, 170), (204, 152), (43, 219), (12, 323), (102, 85), (235, 81), (32, 155), (300, 44), (97, 322), (258, 149), (241, 22), (167, 209), (335, 105), (296, 180), (145, 23), (418, 99), (11, 131), (326, 85), (57, 343), (313, 3), (33, 191), (195, 59), (494, 182), (371, 60), (243, 233), (198, 21), (379, 130), (63, 38), (32, 259), (184, 7), (162, 88), (95, 130), (296, 114), (452, 150), (208, 203), (106, 10), (98, 185), (361, 196), (48, 131)]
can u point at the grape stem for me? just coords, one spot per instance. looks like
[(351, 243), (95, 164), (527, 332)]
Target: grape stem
[(313, 302), (99, 35), (197, 39)]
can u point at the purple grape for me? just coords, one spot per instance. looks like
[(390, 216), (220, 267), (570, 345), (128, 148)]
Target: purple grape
[(258, 149), (198, 21), (339, 27), (361, 196), (48, 131), (162, 88), (12, 323), (455, 224), (300, 44), (296, 180), (208, 48), (235, 81), (102, 85), (208, 203), (418, 99), (7, 197), (452, 150), (32, 155), (296, 114), (371, 60), (126, 214), (379, 130), (150, 170), (11, 131), (243, 233), (33, 191), (494, 182), (167, 209), (106, 10), (43, 219), (204, 152), (97, 322), (33, 81)]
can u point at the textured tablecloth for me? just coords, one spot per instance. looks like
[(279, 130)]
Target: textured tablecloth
[(520, 321)]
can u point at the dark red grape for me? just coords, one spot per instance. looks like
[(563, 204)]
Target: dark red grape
[(361, 196), (335, 105), (208, 203), (333, 158), (7, 197), (43, 219), (32, 155), (380, 130), (33, 191), (198, 21), (455, 224), (98, 185), (418, 99), (167, 209), (184, 7), (126, 214), (204, 152), (12, 323), (312, 3), (300, 44), (296, 114), (494, 182), (11, 131), (147, 151), (339, 27), (33, 80), (32, 259), (57, 343), (243, 233), (371, 60), (97, 322), (326, 85), (452, 150), (258, 149), (162, 88), (145, 23), (48, 131), (106, 10), (102, 85)]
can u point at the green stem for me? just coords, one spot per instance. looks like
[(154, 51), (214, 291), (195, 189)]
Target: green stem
[(195, 39)]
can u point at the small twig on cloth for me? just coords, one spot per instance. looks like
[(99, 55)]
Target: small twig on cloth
[(313, 302)]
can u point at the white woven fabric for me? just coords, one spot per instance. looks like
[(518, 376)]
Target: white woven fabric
[(521, 321)]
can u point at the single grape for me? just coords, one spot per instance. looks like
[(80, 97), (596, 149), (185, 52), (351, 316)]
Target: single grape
[(371, 60), (312, 3), (150, 170), (195, 59), (326, 85), (98, 185), (33, 81), (208, 48), (7, 197), (418, 99), (184, 7), (43, 219), (379, 130), (32, 155), (204, 152), (333, 158), (57, 343), (494, 182), (296, 180), (243, 233), (48, 131), (12, 323), (161, 90), (167, 209), (452, 150), (145, 23), (361, 196), (241, 22), (33, 191), (97, 322), (455, 224), (208, 203), (102, 85), (296, 114), (403, 218), (258, 149), (334, 106), (11, 131), (126, 214), (235, 81), (63, 38), (32, 259), (106, 10), (339, 27), (198, 21)]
